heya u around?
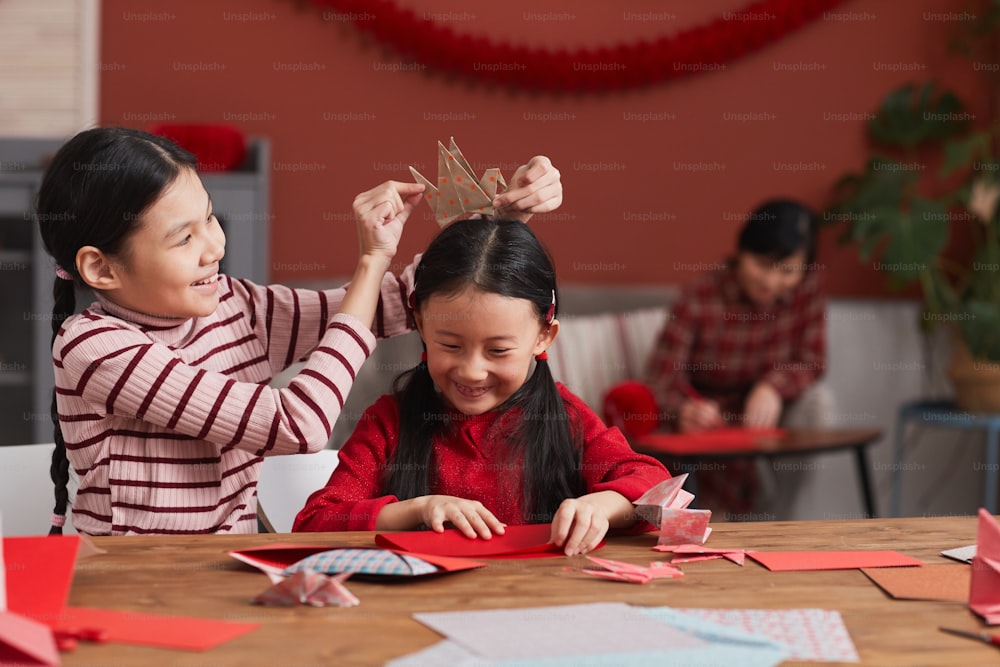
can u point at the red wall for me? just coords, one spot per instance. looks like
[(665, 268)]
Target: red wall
[(352, 117)]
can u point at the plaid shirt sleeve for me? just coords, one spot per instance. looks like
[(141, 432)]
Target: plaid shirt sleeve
[(808, 342), (667, 375)]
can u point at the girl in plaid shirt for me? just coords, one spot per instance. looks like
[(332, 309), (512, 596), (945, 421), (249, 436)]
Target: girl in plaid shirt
[(744, 341)]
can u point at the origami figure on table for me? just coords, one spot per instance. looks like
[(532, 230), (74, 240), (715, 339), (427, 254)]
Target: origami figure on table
[(458, 192), (666, 507), (984, 589)]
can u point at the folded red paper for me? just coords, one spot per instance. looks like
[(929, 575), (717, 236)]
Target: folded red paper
[(26, 642), (530, 541), (39, 573), (714, 441), (130, 627), (984, 587), (791, 561)]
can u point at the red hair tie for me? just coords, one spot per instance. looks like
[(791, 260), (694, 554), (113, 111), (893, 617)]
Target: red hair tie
[(544, 356), (423, 356)]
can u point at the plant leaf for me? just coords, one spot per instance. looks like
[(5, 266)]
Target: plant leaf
[(910, 116)]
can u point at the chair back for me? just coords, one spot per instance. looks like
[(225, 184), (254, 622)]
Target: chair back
[(285, 484), (26, 494)]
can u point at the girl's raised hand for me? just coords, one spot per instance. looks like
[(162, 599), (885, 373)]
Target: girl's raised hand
[(579, 526), (469, 517), (381, 213), (535, 188)]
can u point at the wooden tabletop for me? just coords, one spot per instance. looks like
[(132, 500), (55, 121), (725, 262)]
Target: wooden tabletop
[(193, 575)]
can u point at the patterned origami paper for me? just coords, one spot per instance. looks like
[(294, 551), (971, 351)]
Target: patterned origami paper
[(457, 191), (364, 561), (690, 553), (312, 588), (666, 506), (633, 574)]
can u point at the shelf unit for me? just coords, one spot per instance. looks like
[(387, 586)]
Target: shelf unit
[(241, 201)]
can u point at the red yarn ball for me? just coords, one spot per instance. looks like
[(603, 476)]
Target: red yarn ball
[(630, 406)]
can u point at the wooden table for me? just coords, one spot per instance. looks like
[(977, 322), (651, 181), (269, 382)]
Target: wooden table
[(192, 575), (795, 442)]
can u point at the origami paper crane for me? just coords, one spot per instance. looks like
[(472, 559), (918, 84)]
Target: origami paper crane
[(698, 552), (984, 590), (457, 191), (312, 588), (665, 505), (633, 574)]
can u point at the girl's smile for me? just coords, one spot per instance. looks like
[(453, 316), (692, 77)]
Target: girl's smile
[(480, 346)]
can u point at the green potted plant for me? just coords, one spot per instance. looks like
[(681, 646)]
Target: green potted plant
[(930, 172)]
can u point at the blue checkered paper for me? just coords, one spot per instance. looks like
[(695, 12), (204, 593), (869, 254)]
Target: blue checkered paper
[(363, 561)]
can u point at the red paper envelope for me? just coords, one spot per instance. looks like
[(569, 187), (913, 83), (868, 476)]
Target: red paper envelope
[(529, 541), (274, 558), (792, 561), (716, 441), (984, 588)]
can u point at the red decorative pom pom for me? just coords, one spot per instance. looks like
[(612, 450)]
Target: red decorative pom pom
[(217, 147), (631, 407)]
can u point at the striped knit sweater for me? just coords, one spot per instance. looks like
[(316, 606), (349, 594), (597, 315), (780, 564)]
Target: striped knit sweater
[(166, 421)]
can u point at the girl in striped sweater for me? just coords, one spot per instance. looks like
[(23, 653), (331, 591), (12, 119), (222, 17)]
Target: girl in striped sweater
[(161, 400)]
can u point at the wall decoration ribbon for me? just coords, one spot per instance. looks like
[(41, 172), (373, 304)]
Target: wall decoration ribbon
[(704, 48)]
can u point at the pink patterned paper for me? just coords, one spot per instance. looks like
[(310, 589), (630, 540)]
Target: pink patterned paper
[(634, 574), (696, 552), (811, 634), (684, 526)]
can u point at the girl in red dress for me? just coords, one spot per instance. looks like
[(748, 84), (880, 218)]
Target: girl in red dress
[(478, 435)]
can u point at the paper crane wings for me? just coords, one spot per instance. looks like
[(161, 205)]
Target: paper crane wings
[(457, 191)]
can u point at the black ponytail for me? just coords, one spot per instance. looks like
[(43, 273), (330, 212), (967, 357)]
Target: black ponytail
[(64, 305)]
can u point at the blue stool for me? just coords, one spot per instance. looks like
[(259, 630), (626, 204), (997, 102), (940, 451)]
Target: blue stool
[(945, 414)]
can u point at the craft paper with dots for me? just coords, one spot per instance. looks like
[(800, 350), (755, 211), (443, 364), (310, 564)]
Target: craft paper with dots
[(457, 191)]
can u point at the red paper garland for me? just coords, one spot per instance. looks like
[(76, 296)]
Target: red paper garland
[(704, 48)]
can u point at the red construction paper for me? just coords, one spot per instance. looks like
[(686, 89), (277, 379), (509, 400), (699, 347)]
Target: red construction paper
[(129, 627), (708, 442), (529, 541), (39, 573), (26, 642), (790, 561), (984, 588), (276, 557)]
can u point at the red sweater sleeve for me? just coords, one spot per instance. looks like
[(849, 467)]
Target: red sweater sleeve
[(351, 499)]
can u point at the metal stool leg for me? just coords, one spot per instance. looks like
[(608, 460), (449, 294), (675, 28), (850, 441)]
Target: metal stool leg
[(897, 468), (992, 461)]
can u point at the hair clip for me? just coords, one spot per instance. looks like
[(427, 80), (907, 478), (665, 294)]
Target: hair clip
[(550, 314)]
